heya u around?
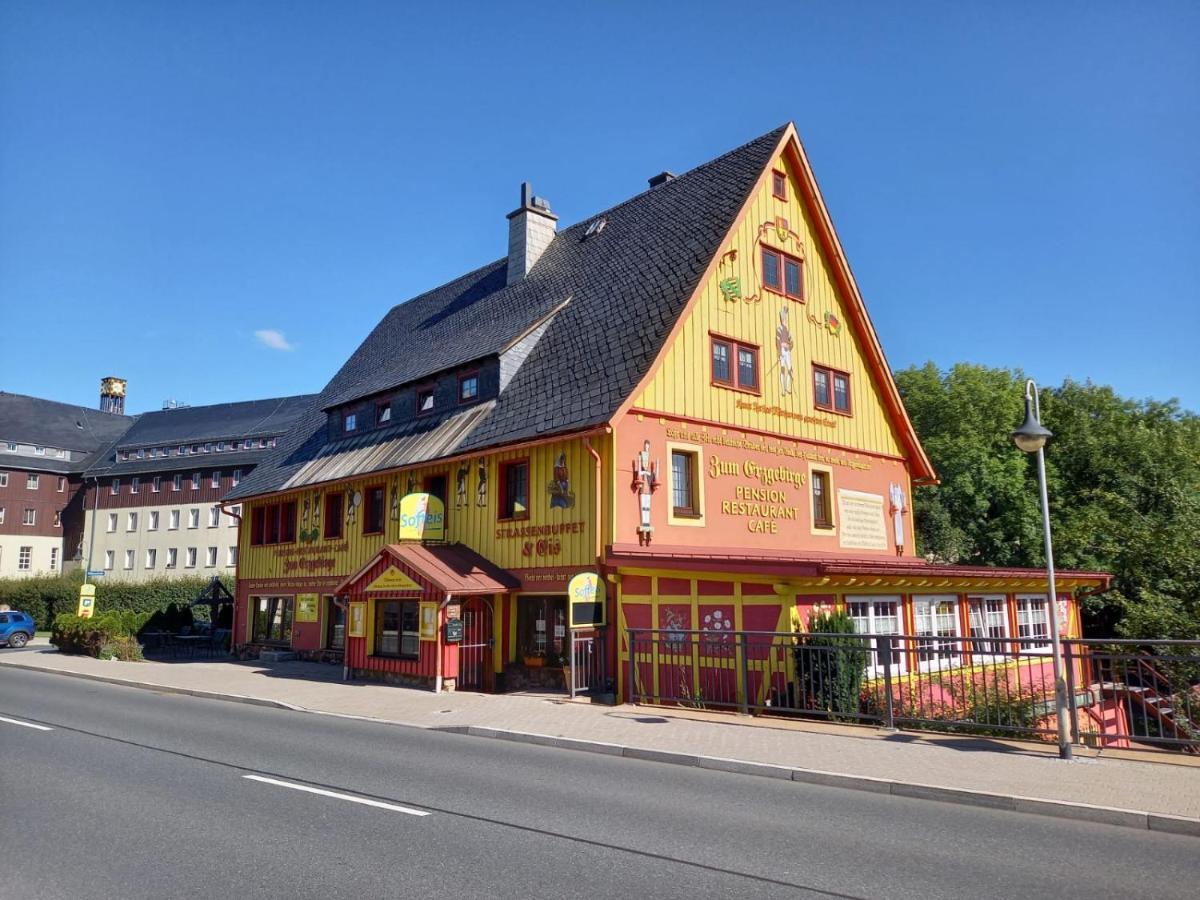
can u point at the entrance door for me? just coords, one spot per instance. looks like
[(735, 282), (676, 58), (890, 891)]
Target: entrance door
[(475, 651)]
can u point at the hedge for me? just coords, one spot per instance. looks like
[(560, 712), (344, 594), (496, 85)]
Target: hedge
[(45, 597), (111, 635)]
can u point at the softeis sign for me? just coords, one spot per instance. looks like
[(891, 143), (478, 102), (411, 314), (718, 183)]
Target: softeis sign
[(422, 518)]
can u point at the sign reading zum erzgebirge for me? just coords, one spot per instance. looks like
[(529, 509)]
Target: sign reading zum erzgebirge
[(422, 518)]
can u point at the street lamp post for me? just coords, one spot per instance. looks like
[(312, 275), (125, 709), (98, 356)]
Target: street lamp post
[(1031, 437)]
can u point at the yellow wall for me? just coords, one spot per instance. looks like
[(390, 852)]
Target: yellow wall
[(682, 384), (469, 523)]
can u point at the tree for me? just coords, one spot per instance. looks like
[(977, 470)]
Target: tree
[(1123, 478)]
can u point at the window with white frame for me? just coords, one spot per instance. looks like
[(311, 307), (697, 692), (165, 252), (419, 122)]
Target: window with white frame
[(40, 451), (57, 522), (152, 525), (193, 518), (53, 558), (112, 522), (189, 559), (31, 482), (134, 484), (3, 479), (151, 557), (216, 478), (195, 481), (214, 516), (987, 616), (156, 484), (62, 484), (172, 557), (25, 559), (1, 515), (237, 477), (177, 483), (108, 559), (129, 559), (879, 615), (1033, 623), (936, 620), (210, 558), (234, 511), (132, 522), (231, 557), (115, 487), (30, 516), (173, 519)]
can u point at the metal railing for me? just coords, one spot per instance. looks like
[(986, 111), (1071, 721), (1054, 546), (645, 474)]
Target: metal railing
[(588, 670), (1121, 693)]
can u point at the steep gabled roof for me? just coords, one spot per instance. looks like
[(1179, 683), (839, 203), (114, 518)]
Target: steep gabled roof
[(64, 426), (627, 285)]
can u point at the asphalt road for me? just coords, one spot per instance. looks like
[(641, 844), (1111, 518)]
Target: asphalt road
[(137, 794)]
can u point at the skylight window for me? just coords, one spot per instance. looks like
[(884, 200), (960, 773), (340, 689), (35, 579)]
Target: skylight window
[(595, 227)]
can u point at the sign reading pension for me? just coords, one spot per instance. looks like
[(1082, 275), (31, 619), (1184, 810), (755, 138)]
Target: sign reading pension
[(586, 593), (87, 601), (422, 518), (861, 523)]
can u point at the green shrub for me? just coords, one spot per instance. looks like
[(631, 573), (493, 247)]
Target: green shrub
[(123, 648), (831, 664), (45, 597)]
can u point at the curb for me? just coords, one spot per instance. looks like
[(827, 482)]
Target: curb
[(1062, 809)]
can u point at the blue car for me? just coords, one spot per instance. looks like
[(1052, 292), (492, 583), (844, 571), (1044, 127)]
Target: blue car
[(16, 628)]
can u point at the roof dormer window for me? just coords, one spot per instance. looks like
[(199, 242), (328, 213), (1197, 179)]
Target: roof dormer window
[(350, 423), (424, 400)]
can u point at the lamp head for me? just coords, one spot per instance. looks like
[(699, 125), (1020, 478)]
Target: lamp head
[(1032, 435)]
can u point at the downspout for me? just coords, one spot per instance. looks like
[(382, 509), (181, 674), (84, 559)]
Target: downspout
[(587, 442), (238, 516)]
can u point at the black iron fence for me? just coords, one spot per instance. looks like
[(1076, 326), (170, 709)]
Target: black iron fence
[(1120, 693)]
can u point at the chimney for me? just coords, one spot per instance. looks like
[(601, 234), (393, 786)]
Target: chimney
[(530, 230), (112, 395), (661, 178)]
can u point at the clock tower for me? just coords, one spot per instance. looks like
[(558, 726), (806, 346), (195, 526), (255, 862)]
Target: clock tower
[(112, 395)]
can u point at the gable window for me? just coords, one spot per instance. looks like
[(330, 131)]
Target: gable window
[(735, 364), (397, 628), (373, 514), (350, 422), (782, 274), (468, 387), (822, 499), (514, 489), (383, 412), (424, 400), (684, 500), (31, 482), (333, 516), (778, 185), (831, 390)]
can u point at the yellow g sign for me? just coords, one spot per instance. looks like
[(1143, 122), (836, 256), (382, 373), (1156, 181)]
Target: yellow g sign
[(422, 518), (87, 600)]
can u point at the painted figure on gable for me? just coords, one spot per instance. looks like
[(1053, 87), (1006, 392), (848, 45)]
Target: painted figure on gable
[(395, 504), (784, 344), (645, 482), (481, 468), (352, 505), (461, 477), (561, 495), (412, 484), (899, 507), (304, 506)]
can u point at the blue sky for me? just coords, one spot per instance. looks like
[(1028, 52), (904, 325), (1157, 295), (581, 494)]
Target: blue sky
[(1015, 185)]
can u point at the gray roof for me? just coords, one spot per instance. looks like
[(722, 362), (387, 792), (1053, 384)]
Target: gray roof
[(64, 426), (199, 425), (627, 286)]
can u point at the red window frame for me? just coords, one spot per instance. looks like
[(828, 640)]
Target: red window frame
[(503, 511), (782, 260), (426, 391), (778, 184), (734, 382), (462, 401), (832, 406), (274, 523), (257, 519), (332, 523), (374, 509)]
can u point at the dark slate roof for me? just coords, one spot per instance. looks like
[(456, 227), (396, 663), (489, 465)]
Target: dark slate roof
[(48, 423), (627, 286), (202, 424)]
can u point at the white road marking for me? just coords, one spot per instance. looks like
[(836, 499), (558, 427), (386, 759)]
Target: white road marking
[(324, 793), (26, 724)]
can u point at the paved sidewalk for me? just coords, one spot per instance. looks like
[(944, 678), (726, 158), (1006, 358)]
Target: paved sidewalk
[(1007, 774)]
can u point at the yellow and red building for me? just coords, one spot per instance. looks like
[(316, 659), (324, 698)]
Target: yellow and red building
[(683, 395)]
